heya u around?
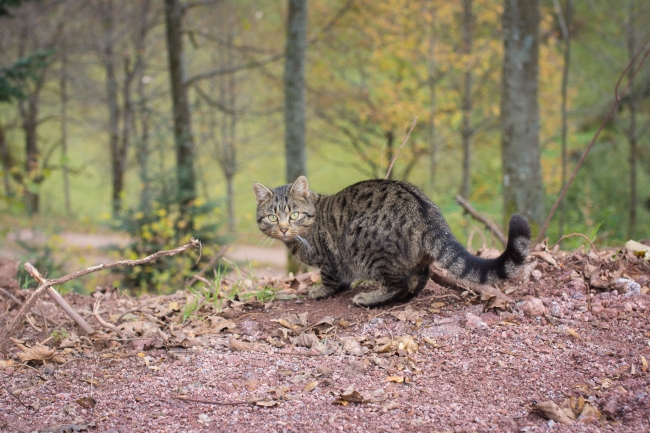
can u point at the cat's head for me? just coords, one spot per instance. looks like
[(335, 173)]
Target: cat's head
[(285, 212)]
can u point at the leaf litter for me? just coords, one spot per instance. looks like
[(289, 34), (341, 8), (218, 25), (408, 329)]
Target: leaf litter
[(445, 360)]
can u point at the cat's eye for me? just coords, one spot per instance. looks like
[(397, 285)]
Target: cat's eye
[(272, 218), (294, 215)]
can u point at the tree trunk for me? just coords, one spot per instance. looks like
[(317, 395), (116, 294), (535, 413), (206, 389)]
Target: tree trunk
[(565, 24), (33, 175), (7, 163), (185, 171), (632, 137), (467, 29), (294, 90), (143, 112), (294, 98), (431, 79), (522, 176), (117, 164), (63, 85)]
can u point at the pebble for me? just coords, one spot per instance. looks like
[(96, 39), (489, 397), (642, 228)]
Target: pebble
[(534, 307)]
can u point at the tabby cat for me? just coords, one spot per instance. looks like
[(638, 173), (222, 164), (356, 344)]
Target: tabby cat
[(381, 230)]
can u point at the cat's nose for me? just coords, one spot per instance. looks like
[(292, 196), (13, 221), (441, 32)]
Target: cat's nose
[(284, 230)]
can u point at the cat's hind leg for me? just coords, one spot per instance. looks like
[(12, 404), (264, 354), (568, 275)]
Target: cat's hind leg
[(331, 284), (393, 288)]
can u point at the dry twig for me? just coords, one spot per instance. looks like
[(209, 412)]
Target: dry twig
[(645, 50), (406, 138), (490, 225), (47, 285)]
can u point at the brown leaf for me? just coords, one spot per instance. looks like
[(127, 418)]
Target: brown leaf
[(408, 315), (344, 323), (351, 395), (39, 353), (395, 379), (553, 411), (644, 364), (265, 403), (306, 340), (239, 346), (218, 323), (310, 386), (86, 402)]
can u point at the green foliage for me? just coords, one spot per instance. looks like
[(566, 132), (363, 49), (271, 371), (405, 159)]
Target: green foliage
[(43, 257), (59, 334), (163, 229), (13, 78)]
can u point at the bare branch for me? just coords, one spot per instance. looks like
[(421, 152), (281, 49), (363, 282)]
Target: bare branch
[(644, 52), (490, 225), (46, 285), (406, 138)]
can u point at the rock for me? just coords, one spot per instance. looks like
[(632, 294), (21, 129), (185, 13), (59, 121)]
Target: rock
[(534, 307), (473, 321), (249, 327), (490, 318), (610, 408), (324, 370), (536, 275), (355, 367), (556, 311)]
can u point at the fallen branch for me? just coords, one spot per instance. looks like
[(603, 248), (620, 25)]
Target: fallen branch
[(46, 285), (102, 322), (571, 235), (441, 277), (490, 225), (617, 101), (207, 266), (8, 295)]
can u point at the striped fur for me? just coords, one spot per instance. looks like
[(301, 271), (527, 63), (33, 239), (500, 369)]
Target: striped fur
[(381, 230)]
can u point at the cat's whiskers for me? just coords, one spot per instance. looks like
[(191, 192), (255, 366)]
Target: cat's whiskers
[(304, 242)]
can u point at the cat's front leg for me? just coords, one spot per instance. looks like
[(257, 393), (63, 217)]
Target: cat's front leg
[(331, 284)]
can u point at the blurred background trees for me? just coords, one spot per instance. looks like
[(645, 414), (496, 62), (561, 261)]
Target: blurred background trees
[(113, 109)]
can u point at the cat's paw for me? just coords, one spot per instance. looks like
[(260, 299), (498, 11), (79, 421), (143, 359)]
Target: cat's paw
[(321, 292), (365, 299)]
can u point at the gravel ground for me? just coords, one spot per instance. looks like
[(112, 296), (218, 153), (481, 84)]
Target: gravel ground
[(572, 345)]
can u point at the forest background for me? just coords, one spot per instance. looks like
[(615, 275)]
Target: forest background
[(87, 128)]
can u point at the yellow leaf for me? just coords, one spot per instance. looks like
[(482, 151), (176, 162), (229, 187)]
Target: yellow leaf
[(395, 379), (574, 334), (644, 364)]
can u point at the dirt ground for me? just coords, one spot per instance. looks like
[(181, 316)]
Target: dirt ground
[(567, 353)]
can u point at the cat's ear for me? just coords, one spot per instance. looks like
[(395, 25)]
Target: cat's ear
[(300, 188), (262, 193)]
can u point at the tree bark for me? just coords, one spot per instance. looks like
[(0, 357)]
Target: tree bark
[(522, 175), (632, 136), (431, 81), (565, 24), (63, 86), (117, 162), (184, 143), (294, 90), (467, 29)]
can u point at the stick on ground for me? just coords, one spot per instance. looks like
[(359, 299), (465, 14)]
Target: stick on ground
[(47, 285)]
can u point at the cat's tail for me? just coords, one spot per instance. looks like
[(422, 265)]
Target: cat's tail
[(461, 264)]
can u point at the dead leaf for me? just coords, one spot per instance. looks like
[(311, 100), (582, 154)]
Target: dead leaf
[(39, 353), (7, 363), (306, 340), (638, 249), (324, 325), (573, 333), (546, 257), (239, 346), (553, 411), (644, 364), (431, 342), (589, 413), (86, 402), (92, 381), (344, 323), (218, 323), (310, 386), (350, 395), (391, 405), (395, 379), (408, 315), (265, 403)]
